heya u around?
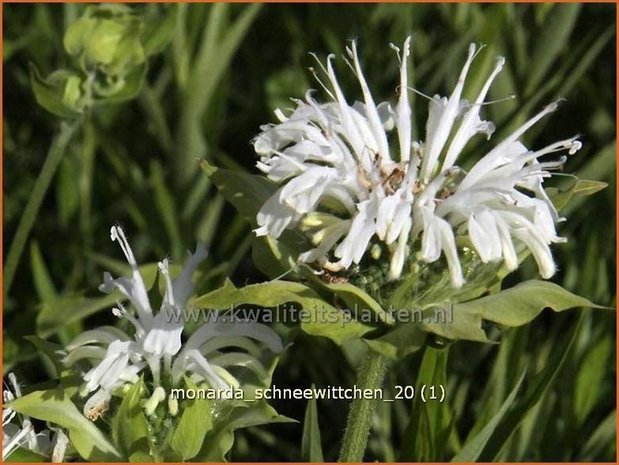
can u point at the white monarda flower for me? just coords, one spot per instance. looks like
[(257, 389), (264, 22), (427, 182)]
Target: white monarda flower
[(157, 342), (345, 183), (18, 430)]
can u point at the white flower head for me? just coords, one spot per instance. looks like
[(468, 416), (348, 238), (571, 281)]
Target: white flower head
[(156, 342), (18, 430), (346, 184)]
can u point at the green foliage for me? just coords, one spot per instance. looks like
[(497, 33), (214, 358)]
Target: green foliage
[(311, 448), (55, 407)]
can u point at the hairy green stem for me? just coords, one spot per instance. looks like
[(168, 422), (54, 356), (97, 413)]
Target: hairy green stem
[(371, 375), (54, 156)]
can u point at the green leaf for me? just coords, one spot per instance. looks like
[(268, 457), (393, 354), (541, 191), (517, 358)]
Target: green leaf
[(50, 92), (473, 448), (247, 192), (356, 299), (317, 317), (220, 439), (130, 429), (58, 313), (55, 407), (195, 422), (400, 341), (50, 350), (511, 307), (520, 304), (581, 187), (274, 258), (311, 448), (464, 324)]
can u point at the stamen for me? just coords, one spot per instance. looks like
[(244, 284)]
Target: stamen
[(117, 234), (419, 93), (491, 102), (322, 84), (165, 271)]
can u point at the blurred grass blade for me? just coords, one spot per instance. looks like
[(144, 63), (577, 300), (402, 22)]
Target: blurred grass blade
[(311, 448), (599, 446), (472, 449), (589, 379), (42, 280), (214, 58), (167, 209), (430, 423), (551, 43), (538, 387), (54, 156)]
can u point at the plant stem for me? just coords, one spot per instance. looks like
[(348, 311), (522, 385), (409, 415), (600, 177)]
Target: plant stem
[(54, 156), (371, 375)]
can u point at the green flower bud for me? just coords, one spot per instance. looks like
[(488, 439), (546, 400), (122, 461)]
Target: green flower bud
[(106, 38), (154, 400)]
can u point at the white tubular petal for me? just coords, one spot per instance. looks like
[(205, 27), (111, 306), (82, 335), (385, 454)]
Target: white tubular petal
[(403, 109), (84, 352), (227, 377), (484, 235), (97, 404), (471, 124), (134, 288), (107, 371), (386, 114), (241, 360), (431, 242), (438, 237), (510, 256), (506, 148), (164, 337), (249, 329), (15, 441), (386, 214), (372, 112), (274, 217), (303, 192), (196, 363), (238, 342), (494, 159), (363, 227), (61, 443), (397, 260), (182, 286), (168, 298), (443, 119), (349, 128), (451, 254), (14, 384), (329, 236), (539, 249)]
